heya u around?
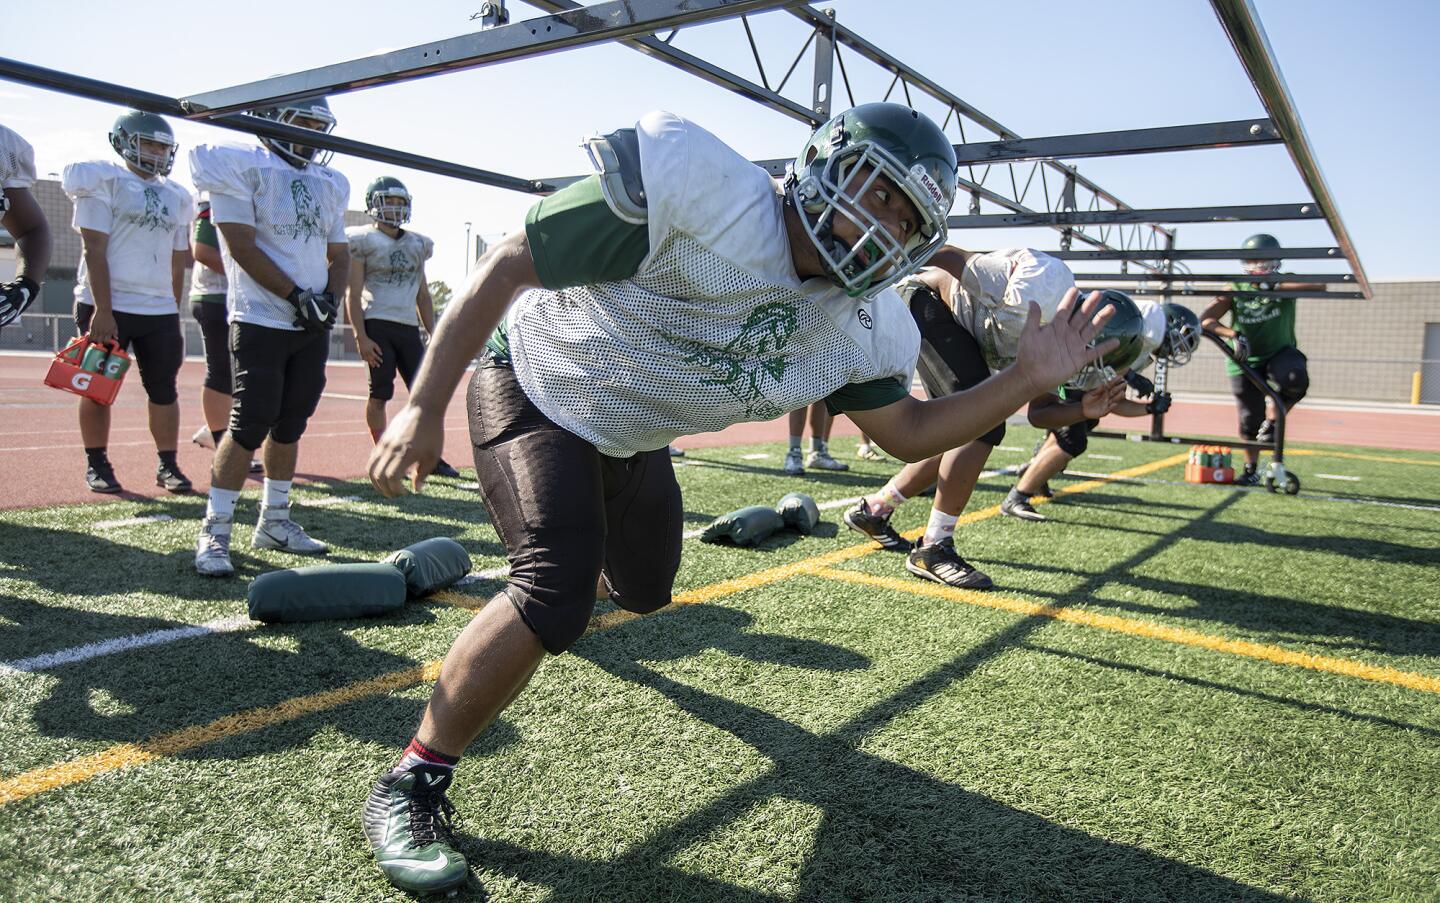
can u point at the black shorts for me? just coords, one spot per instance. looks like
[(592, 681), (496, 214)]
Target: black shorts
[(279, 375), (215, 335), (400, 351), (950, 359), (564, 511), (1075, 438), (158, 345)]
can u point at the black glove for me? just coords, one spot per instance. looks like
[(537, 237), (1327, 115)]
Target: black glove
[(1242, 347), (317, 310), (1159, 405), (1142, 386), (15, 297)]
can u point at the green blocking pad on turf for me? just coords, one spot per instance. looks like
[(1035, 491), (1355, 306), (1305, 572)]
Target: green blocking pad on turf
[(431, 565), (327, 592)]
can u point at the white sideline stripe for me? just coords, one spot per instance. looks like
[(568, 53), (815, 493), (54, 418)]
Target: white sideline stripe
[(123, 644), (1335, 476), (1379, 503), (326, 501), (241, 622), (132, 521), (1008, 448), (344, 397), (1106, 457), (757, 456)]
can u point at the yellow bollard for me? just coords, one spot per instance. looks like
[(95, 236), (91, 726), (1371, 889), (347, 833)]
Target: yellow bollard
[(1415, 388)]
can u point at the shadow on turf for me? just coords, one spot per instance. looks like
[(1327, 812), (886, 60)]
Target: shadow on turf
[(888, 832)]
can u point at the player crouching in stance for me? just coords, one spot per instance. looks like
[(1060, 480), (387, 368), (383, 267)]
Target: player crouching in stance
[(21, 216), (680, 290), (971, 309), (1168, 331), (134, 227), (388, 299), (281, 215)]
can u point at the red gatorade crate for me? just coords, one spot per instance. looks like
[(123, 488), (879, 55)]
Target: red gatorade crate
[(1209, 464), (89, 369)]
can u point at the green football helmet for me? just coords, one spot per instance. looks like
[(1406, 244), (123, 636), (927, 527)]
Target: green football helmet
[(315, 109), (873, 140), (387, 201), (1182, 334), (1260, 242), (133, 126), (1128, 325)]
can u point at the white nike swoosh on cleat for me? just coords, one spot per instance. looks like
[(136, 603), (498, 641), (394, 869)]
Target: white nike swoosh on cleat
[(434, 865)]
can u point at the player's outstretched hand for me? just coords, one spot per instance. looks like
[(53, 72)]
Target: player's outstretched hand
[(410, 446), (1051, 354), (1102, 400)]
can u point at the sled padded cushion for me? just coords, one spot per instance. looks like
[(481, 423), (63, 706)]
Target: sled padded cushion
[(431, 565), (326, 592)]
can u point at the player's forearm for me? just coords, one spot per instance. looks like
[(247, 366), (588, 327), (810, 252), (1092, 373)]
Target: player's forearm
[(339, 275), (31, 231), (499, 277), (355, 313), (1130, 408), (209, 256), (425, 309), (1056, 416), (179, 260), (97, 270), (258, 266)]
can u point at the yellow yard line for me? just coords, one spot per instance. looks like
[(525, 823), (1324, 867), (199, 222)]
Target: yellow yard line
[(1149, 630), (124, 755), (1359, 457)]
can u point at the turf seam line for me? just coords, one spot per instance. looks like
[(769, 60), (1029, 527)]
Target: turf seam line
[(1181, 636)]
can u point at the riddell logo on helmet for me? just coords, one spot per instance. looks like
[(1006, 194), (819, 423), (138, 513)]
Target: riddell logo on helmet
[(81, 381), (918, 173)]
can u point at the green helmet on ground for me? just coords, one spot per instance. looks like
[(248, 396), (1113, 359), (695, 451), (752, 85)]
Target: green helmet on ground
[(1261, 241), (1128, 326), (134, 126), (387, 201), (1182, 334), (315, 110), (875, 141)]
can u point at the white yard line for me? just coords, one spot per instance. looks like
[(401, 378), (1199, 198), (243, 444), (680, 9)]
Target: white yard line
[(757, 456), (1335, 476), (1379, 503), (325, 501), (132, 521), (1100, 457), (74, 654)]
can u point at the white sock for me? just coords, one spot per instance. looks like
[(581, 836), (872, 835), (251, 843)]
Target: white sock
[(885, 501), (941, 526), (222, 502), (277, 493)]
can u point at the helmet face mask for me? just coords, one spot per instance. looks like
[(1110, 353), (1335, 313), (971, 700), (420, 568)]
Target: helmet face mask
[(873, 148), (1128, 326), (1260, 242), (388, 202), (313, 114), (145, 142), (1182, 334)]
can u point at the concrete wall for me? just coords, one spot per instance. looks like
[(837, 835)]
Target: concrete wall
[(1365, 350)]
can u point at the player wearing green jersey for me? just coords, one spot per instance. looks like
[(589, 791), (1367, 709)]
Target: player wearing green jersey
[(1263, 330), (679, 290)]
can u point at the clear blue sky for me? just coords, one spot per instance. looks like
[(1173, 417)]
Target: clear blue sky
[(1366, 79)]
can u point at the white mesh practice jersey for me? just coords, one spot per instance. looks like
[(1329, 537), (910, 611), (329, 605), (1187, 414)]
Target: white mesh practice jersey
[(148, 220), (17, 160), (995, 291), (393, 267), (715, 328), (295, 213)]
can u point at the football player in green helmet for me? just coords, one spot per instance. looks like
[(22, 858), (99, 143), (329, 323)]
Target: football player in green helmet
[(388, 299), (311, 113), (21, 216), (1143, 331), (134, 226), (678, 290), (1262, 328)]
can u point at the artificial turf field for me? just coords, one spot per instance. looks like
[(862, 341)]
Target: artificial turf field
[(1175, 693)]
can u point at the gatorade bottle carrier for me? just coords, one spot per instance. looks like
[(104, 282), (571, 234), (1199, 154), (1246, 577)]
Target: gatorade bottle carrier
[(89, 369), (1209, 464)]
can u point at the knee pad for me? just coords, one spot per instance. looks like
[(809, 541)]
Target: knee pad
[(995, 436), (160, 391), (288, 430), (382, 391), (555, 598), (1074, 439), (643, 603), (246, 429), (557, 626), (1294, 384)]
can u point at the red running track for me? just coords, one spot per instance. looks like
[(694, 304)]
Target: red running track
[(40, 440)]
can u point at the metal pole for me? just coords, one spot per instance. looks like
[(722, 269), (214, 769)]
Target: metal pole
[(467, 249)]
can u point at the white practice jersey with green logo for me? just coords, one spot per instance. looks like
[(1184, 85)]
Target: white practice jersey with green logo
[(148, 220), (295, 214), (392, 271), (715, 328)]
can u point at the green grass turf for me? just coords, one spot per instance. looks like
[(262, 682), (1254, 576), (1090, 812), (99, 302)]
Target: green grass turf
[(809, 739)]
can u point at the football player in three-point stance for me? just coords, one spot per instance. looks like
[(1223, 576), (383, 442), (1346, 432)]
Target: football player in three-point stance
[(22, 217), (1263, 329), (388, 299), (281, 214), (971, 310), (134, 226), (680, 290), (1170, 331)]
